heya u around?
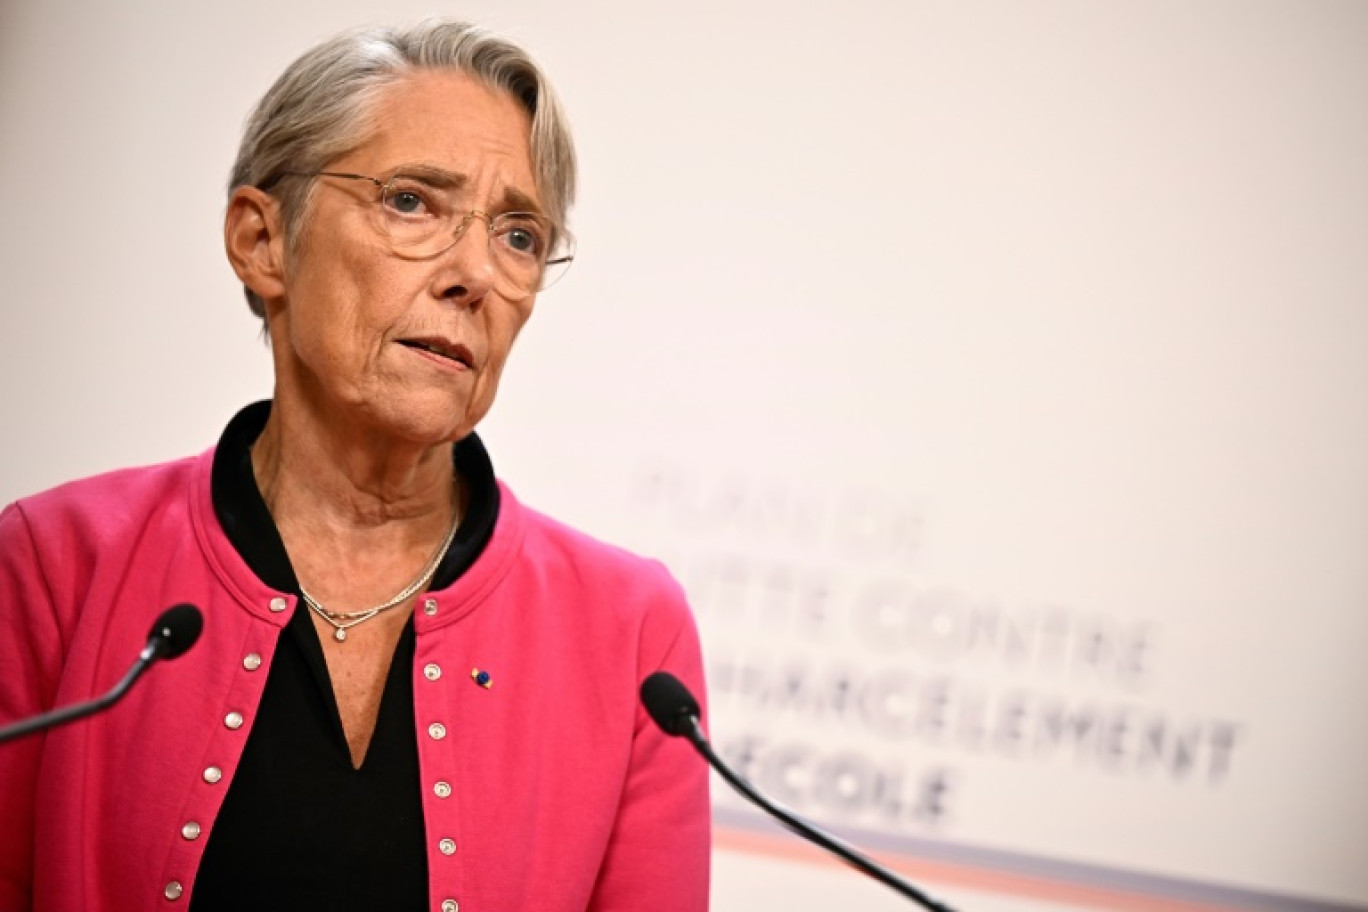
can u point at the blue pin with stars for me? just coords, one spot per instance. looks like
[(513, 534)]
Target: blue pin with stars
[(482, 678)]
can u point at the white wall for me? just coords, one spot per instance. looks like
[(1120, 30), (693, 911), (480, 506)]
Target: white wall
[(887, 316)]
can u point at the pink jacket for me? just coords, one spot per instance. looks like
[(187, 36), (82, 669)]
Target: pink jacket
[(555, 789)]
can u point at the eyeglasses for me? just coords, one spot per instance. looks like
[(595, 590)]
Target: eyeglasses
[(421, 220)]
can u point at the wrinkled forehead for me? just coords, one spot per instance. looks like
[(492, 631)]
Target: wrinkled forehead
[(455, 129)]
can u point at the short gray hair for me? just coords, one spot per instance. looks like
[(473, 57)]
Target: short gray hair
[(321, 106)]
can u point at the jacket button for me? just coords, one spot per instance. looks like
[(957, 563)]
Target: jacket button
[(191, 830), (278, 604), (442, 789), (212, 774), (251, 661), (447, 847), (432, 671), (450, 905), (233, 720), (429, 607), (174, 890), (436, 731)]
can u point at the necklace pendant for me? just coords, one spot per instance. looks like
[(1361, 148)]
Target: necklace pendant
[(340, 635)]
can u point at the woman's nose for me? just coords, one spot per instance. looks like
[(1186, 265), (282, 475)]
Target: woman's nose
[(468, 270)]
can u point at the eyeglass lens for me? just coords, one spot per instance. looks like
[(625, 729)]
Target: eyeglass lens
[(422, 220)]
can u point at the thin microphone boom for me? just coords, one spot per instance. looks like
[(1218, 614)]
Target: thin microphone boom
[(175, 631), (676, 711)]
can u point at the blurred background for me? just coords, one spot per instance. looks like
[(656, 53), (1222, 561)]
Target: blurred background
[(991, 373)]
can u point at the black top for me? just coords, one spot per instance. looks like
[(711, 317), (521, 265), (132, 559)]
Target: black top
[(300, 827)]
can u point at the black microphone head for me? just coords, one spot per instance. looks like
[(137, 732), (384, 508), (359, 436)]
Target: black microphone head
[(669, 703), (178, 628)]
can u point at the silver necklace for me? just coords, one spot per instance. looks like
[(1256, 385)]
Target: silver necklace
[(342, 621)]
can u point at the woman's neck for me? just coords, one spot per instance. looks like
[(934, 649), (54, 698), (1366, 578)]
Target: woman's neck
[(344, 495)]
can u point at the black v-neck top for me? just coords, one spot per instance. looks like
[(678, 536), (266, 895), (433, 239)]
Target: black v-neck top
[(300, 827)]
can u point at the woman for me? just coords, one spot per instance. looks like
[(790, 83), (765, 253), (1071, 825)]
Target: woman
[(411, 691)]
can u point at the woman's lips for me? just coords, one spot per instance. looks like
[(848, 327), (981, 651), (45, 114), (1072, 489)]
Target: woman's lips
[(450, 353)]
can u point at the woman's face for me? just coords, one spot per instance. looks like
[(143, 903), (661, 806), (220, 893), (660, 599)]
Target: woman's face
[(355, 330)]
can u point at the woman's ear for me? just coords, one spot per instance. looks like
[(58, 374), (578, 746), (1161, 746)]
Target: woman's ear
[(254, 238)]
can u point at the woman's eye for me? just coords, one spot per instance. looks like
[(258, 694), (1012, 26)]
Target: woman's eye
[(406, 202), (524, 239), (406, 198)]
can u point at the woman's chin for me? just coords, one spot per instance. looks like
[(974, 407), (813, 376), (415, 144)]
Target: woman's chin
[(422, 423)]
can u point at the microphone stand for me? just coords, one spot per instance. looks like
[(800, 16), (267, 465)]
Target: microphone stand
[(150, 654), (846, 852)]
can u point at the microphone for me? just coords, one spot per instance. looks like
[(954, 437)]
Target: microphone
[(676, 711), (174, 632)]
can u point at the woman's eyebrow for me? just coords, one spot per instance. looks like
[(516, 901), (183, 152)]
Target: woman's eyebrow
[(513, 200), (440, 178)]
